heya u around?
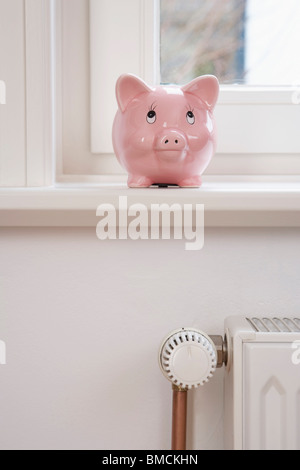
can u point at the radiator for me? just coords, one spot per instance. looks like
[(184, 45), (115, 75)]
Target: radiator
[(262, 384)]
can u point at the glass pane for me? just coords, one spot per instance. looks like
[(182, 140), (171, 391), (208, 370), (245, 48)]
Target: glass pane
[(253, 42)]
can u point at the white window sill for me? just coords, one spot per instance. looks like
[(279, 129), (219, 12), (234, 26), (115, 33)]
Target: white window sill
[(254, 202)]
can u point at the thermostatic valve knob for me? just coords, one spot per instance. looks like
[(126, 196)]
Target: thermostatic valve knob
[(188, 357)]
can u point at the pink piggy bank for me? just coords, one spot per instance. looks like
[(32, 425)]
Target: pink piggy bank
[(165, 135)]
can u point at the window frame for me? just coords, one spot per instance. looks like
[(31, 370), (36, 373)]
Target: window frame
[(266, 151), (26, 118)]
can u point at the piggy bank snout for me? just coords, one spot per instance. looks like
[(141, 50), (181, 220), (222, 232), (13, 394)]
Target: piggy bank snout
[(170, 139)]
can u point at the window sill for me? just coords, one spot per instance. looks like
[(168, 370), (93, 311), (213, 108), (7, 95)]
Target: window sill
[(256, 202)]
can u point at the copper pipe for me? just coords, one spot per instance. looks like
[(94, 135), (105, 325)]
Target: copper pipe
[(179, 418)]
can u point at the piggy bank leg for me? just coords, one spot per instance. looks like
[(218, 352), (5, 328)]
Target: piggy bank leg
[(136, 181), (192, 182)]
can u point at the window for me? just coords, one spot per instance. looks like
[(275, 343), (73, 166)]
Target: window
[(250, 45), (249, 42), (75, 51), (200, 37), (257, 125)]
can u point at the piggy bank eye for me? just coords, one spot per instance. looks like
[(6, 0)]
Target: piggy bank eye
[(190, 117), (151, 117)]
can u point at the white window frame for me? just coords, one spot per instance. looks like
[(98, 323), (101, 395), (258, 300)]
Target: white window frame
[(26, 119), (257, 126), (253, 179)]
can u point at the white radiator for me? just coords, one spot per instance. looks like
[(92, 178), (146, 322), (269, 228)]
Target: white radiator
[(262, 384)]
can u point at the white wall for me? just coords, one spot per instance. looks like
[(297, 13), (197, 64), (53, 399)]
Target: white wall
[(83, 321)]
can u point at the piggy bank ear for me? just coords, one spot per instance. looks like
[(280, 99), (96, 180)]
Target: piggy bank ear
[(206, 88), (128, 87)]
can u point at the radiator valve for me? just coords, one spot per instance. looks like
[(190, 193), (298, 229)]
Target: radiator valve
[(189, 357)]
